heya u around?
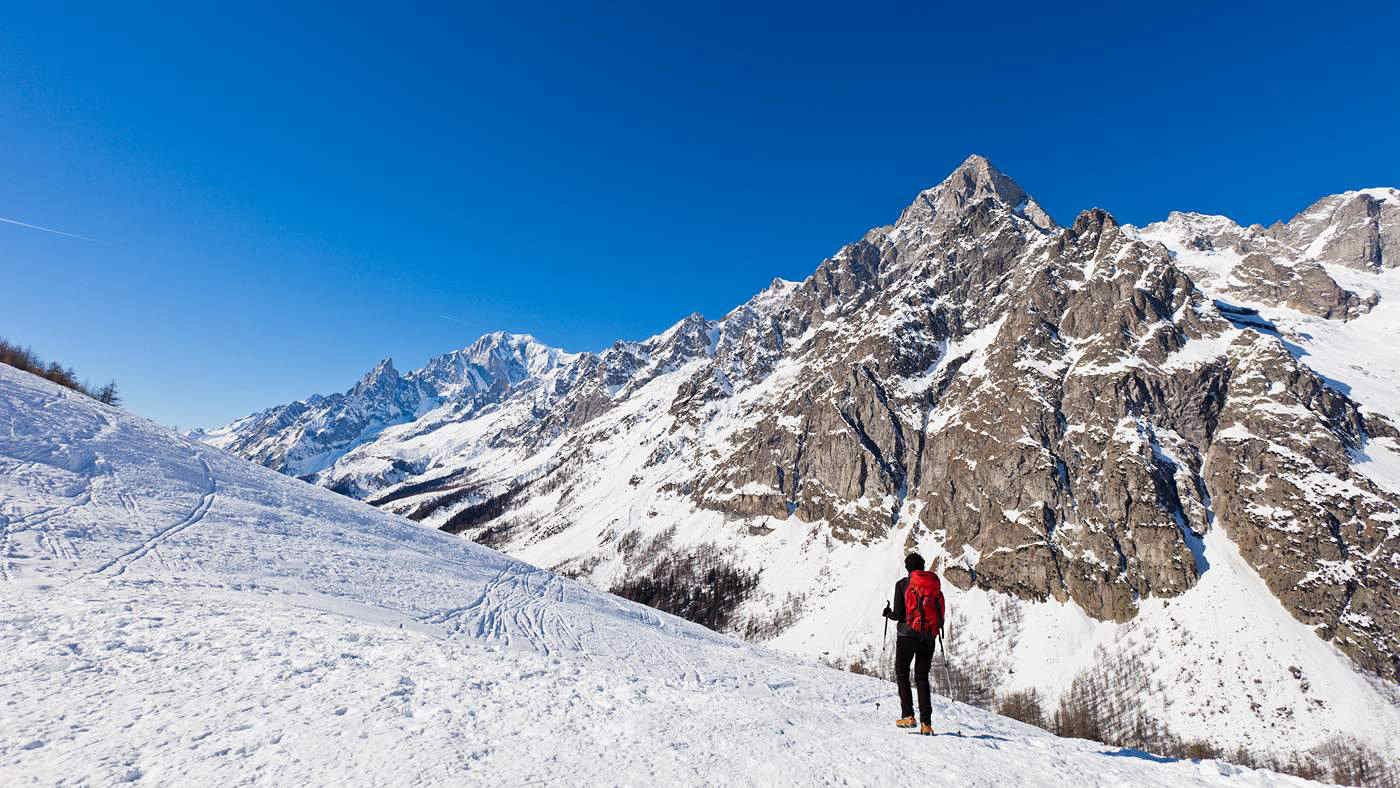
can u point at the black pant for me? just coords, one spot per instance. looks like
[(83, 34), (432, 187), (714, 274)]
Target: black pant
[(920, 650)]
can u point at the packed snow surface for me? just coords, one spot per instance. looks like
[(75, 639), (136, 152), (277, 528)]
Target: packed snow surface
[(173, 615)]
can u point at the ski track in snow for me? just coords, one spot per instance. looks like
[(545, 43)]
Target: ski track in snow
[(177, 616), (119, 565)]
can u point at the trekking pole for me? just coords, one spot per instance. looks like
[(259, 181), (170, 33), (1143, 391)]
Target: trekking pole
[(884, 644), (947, 674)]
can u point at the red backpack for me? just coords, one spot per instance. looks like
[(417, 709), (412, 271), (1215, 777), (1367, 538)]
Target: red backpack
[(923, 603)]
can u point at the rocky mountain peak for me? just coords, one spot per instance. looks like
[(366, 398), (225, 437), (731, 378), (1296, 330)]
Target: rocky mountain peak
[(693, 332), (1358, 229), (498, 356), (975, 180), (1094, 220), (496, 343), (692, 322), (382, 376), (689, 339)]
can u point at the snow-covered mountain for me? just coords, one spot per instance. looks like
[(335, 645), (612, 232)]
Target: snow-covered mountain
[(304, 437), (1172, 447), (174, 615)]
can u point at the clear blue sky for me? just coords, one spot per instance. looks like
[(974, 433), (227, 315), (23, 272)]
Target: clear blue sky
[(278, 198)]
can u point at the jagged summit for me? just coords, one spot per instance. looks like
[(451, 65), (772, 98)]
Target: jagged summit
[(1358, 229), (693, 323), (496, 355), (383, 375), (975, 180), (500, 339)]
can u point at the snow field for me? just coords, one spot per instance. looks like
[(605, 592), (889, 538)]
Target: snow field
[(172, 615), (169, 684)]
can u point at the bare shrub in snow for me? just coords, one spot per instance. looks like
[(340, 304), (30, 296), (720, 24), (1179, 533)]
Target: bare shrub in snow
[(1348, 762), (1024, 706), (965, 682)]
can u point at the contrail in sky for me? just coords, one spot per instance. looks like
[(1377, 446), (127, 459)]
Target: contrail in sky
[(46, 229)]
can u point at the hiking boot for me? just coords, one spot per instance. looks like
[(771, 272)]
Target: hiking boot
[(905, 722), (925, 729)]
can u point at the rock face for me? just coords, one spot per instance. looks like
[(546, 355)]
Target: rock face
[(1054, 412), (1323, 536), (1277, 267), (1359, 229)]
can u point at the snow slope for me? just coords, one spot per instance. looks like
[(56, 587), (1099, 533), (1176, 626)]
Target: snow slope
[(173, 615)]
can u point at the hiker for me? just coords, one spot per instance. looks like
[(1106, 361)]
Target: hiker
[(918, 607)]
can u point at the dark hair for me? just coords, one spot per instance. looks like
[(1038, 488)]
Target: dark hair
[(913, 561)]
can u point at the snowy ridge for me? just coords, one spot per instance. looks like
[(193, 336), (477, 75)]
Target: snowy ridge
[(304, 438), (1356, 354), (176, 616)]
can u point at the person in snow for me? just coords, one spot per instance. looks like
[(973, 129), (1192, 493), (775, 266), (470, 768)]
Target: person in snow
[(918, 607)]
